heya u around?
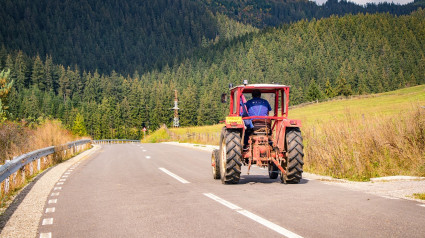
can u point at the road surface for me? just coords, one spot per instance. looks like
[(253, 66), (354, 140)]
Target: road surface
[(159, 190)]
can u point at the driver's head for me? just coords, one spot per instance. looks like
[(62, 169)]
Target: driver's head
[(256, 93)]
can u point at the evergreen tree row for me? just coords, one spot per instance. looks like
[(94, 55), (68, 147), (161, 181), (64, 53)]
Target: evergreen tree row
[(354, 54)]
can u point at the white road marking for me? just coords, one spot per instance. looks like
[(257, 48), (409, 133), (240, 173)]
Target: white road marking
[(269, 224), (54, 194), (57, 188), (388, 197), (144, 150), (50, 210), (65, 176), (46, 235), (67, 173), (62, 180), (254, 217), (422, 205), (52, 201), (59, 183), (148, 157), (174, 176), (47, 221), (222, 201)]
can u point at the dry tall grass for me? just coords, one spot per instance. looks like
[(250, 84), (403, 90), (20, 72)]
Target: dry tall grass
[(361, 147), (16, 139)]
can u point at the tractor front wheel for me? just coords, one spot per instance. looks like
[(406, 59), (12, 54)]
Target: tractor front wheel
[(215, 163), (273, 171), (230, 157), (294, 162)]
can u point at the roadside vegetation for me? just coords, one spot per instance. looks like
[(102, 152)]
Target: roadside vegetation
[(419, 196), (18, 138), (356, 138)]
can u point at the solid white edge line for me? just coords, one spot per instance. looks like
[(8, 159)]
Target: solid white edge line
[(174, 176), (392, 198), (422, 205), (46, 235), (269, 224), (254, 217), (222, 201)]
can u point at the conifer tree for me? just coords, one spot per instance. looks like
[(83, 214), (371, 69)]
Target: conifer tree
[(5, 87), (79, 127)]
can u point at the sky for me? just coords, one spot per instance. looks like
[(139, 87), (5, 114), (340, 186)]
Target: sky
[(362, 2)]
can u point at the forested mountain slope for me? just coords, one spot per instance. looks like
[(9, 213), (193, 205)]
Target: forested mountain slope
[(130, 35), (107, 35), (263, 13), (354, 54)]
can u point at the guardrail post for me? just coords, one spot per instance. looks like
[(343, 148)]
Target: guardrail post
[(6, 182), (31, 168), (38, 164)]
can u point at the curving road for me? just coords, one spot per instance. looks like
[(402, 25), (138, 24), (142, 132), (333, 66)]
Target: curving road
[(159, 190)]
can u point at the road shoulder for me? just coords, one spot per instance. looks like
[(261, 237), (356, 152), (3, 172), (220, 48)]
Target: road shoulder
[(26, 216)]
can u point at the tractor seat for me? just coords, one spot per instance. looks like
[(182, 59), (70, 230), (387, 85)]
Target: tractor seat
[(262, 126)]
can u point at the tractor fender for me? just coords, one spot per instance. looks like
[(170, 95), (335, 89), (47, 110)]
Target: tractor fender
[(292, 123)]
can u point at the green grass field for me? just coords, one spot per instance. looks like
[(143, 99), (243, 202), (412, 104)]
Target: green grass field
[(389, 103)]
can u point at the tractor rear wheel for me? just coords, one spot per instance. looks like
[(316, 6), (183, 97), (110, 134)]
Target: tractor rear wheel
[(230, 157), (294, 162), (215, 163), (273, 171)]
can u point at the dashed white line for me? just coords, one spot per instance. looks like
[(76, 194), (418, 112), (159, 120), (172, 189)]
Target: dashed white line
[(254, 217), (57, 188), (222, 201), (46, 235), (67, 173), (174, 176), (59, 183), (144, 150), (54, 194), (52, 201), (65, 176), (47, 221), (62, 180), (422, 205), (50, 210), (148, 157)]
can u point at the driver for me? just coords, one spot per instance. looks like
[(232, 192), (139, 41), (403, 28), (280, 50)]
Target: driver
[(255, 107), (258, 106)]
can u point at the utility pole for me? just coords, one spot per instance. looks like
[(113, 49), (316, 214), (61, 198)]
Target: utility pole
[(176, 122)]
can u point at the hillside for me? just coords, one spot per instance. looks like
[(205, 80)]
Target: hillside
[(338, 56), (263, 13), (129, 36), (107, 35)]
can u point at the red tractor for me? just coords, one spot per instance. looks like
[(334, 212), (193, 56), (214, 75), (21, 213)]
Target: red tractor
[(274, 142)]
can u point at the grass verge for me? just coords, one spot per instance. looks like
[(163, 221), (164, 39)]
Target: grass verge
[(419, 196)]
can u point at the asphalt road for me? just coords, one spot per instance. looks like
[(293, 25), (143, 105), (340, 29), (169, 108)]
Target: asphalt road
[(159, 190)]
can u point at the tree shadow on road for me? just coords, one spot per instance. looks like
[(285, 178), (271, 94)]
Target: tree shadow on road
[(7, 214)]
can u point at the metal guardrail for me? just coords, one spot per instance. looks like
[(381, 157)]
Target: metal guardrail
[(114, 141), (17, 163)]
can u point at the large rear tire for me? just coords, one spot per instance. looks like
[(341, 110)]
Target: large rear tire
[(230, 157), (215, 164), (295, 155)]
